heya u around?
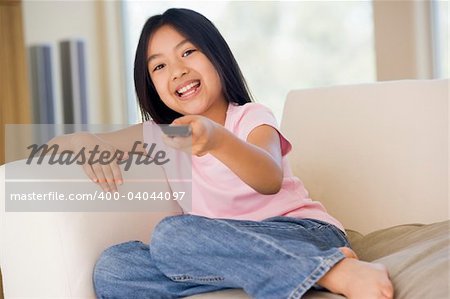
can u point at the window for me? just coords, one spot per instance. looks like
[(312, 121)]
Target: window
[(279, 46), (440, 12)]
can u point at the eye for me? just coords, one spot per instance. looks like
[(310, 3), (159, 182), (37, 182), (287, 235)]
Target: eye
[(158, 67), (188, 52)]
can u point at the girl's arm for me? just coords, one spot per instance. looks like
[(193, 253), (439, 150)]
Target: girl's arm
[(107, 176), (122, 140), (257, 161)]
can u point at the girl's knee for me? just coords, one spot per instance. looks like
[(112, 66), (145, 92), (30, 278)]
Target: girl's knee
[(109, 268), (179, 231), (172, 225), (103, 275)]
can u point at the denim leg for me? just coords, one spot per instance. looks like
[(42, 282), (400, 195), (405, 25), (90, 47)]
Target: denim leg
[(280, 257), (127, 271)]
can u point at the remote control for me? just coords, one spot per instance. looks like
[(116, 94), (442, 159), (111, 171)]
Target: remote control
[(176, 130)]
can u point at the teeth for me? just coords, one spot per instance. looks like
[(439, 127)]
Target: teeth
[(187, 87)]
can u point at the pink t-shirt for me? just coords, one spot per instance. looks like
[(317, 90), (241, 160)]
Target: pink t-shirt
[(219, 193)]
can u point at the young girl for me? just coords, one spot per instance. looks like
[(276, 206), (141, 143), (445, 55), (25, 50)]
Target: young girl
[(252, 225)]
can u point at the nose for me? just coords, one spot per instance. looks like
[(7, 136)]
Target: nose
[(179, 70)]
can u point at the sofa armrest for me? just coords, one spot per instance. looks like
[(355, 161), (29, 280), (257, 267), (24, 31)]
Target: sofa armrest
[(52, 254)]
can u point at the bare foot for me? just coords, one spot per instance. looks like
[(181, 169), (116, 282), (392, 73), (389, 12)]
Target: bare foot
[(356, 279)]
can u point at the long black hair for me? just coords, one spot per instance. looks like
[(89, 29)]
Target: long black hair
[(203, 34)]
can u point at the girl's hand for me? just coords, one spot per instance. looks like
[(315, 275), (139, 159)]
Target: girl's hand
[(204, 135), (106, 175)]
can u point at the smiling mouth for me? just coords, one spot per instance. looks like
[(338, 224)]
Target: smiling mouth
[(188, 90)]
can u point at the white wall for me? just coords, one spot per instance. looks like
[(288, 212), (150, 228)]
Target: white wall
[(98, 24)]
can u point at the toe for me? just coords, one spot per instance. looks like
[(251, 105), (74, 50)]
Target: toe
[(348, 252)]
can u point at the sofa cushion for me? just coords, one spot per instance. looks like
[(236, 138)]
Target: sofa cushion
[(416, 255)]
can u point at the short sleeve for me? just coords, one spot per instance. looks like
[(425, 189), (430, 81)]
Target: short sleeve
[(254, 115)]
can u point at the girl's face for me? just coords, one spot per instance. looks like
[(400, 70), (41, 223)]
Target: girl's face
[(183, 76)]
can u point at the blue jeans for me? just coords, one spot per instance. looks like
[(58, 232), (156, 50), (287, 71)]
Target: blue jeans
[(279, 257)]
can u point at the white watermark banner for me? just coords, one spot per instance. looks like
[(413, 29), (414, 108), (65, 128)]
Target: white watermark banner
[(44, 176)]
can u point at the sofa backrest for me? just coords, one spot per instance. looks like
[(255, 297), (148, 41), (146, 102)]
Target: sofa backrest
[(375, 155)]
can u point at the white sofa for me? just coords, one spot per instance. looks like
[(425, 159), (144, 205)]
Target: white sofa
[(376, 155)]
